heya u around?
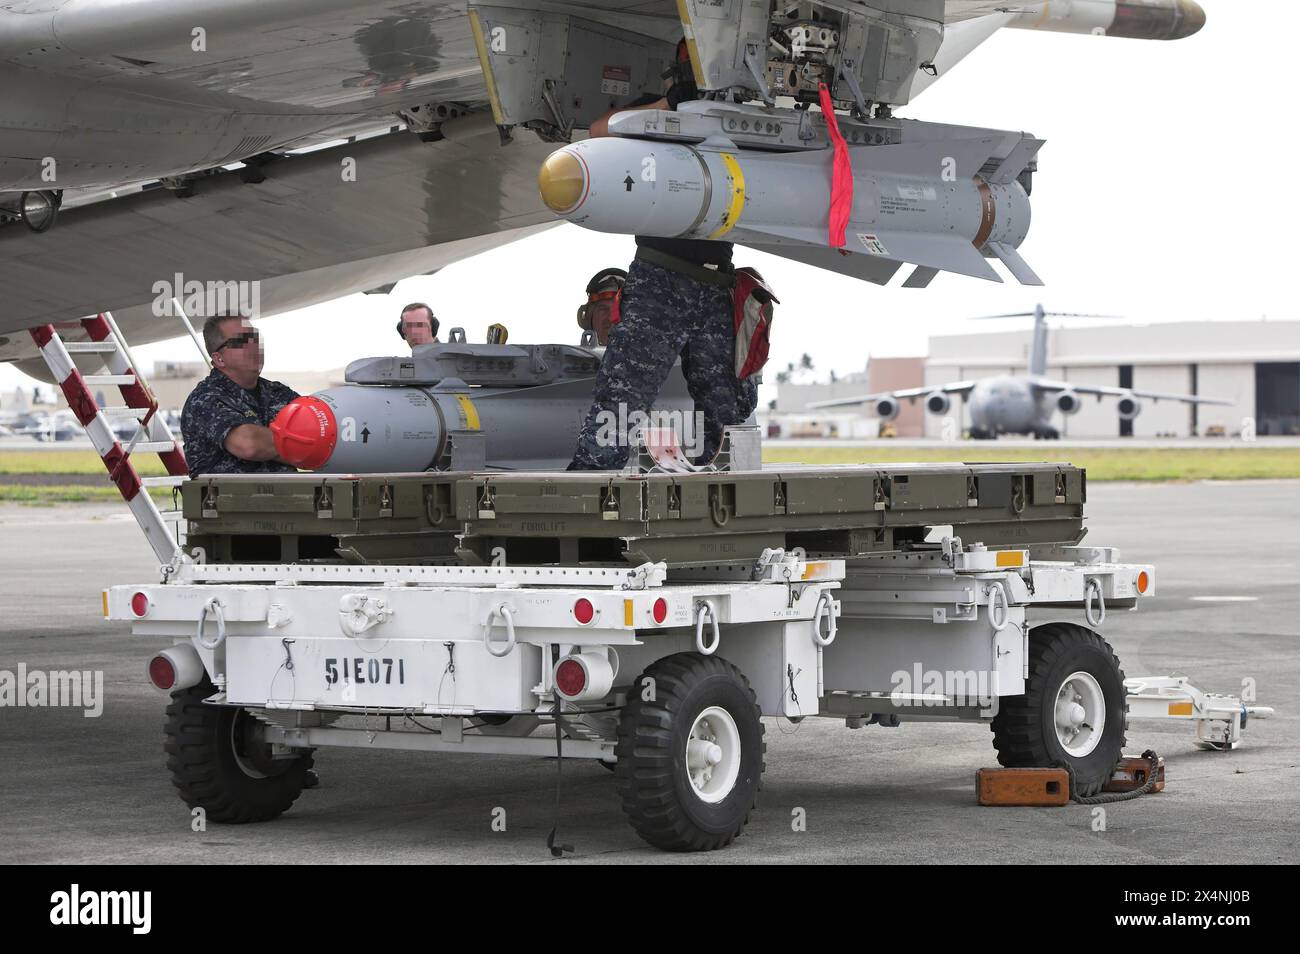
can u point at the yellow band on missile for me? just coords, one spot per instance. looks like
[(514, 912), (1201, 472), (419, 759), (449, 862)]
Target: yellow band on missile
[(498, 115), (470, 411), (736, 204)]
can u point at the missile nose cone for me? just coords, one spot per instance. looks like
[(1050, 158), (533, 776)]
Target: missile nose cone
[(562, 181), (1191, 21), (305, 432)]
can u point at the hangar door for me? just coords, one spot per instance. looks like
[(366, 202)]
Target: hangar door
[(1277, 398)]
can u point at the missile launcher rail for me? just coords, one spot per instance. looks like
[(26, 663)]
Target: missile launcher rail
[(618, 519)]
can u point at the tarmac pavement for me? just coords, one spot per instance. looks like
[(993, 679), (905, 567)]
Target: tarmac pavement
[(77, 789)]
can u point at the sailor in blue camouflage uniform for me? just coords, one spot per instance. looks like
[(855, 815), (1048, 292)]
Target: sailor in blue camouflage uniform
[(225, 419), (676, 302)]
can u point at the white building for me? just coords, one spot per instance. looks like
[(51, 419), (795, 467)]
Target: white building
[(1253, 364)]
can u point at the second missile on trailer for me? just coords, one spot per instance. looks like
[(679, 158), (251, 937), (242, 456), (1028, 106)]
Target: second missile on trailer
[(463, 407)]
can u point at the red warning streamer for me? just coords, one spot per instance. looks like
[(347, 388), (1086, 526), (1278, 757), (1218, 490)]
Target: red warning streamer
[(841, 173)]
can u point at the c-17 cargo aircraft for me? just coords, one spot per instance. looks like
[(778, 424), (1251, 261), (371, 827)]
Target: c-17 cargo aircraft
[(152, 149), (1012, 404)]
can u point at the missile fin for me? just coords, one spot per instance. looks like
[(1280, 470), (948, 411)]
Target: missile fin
[(868, 268), (947, 254), (783, 235), (1015, 263), (943, 253), (1021, 155), (921, 277)]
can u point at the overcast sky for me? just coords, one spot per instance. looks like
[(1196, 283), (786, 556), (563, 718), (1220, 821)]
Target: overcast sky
[(1167, 191)]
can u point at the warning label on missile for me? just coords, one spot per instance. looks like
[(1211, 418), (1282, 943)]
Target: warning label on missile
[(918, 193), (872, 244), (616, 80), (902, 204)]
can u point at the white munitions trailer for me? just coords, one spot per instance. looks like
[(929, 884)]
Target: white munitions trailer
[(664, 680)]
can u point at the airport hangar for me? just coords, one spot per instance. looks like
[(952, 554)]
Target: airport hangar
[(1253, 364)]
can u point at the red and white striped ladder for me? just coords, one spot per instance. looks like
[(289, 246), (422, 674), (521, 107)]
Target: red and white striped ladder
[(151, 436)]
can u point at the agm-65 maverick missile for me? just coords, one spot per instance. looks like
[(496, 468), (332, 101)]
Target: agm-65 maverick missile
[(460, 407), (943, 198)]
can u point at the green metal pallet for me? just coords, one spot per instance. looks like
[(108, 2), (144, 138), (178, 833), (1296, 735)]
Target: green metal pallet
[(612, 518)]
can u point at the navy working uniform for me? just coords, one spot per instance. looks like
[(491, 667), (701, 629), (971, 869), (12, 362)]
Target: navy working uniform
[(218, 405), (677, 301)]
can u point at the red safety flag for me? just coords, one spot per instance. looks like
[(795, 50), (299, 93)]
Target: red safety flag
[(753, 313), (841, 173)]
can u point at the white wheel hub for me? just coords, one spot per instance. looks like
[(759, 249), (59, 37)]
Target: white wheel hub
[(713, 754), (1080, 714)]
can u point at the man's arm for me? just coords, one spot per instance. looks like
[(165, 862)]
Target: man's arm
[(251, 442)]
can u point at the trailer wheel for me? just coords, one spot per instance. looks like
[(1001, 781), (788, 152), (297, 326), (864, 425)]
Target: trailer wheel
[(690, 759), (219, 763), (1074, 710)]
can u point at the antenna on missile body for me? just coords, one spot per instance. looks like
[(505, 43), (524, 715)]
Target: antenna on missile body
[(1038, 356)]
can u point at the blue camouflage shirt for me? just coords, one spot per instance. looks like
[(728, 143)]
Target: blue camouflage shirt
[(218, 405)]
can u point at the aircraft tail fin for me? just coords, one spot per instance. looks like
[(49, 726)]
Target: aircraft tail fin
[(1038, 356)]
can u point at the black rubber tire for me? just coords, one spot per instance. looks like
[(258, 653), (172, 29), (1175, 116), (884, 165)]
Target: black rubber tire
[(201, 756), (1024, 731), (650, 774)]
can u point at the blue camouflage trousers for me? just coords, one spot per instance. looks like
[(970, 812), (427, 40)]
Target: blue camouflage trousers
[(664, 314)]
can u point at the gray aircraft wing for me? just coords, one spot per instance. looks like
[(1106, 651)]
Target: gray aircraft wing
[(1053, 387), (224, 140), (907, 394)]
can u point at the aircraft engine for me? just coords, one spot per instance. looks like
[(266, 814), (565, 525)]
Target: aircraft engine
[(887, 408), (1128, 408), (1067, 402), (938, 403)]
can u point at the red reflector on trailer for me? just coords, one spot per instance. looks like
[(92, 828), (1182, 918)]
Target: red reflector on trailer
[(140, 604), (660, 611), (162, 673), (570, 677), (583, 611)]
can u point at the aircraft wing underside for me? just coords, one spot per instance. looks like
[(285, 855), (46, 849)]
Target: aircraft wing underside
[(303, 233)]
